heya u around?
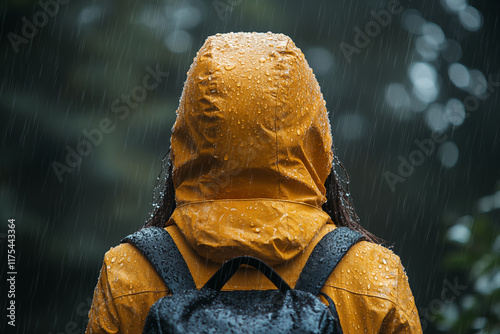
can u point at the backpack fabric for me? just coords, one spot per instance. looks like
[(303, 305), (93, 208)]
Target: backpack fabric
[(210, 310)]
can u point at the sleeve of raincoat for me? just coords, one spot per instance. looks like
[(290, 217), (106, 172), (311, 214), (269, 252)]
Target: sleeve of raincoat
[(127, 287), (103, 317), (404, 317), (371, 292)]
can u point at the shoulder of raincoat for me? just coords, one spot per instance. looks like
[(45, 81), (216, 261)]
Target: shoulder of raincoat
[(251, 150)]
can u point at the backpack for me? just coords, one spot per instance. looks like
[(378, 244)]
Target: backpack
[(209, 310)]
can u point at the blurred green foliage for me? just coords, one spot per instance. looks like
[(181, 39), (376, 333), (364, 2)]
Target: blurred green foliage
[(473, 252), (66, 77)]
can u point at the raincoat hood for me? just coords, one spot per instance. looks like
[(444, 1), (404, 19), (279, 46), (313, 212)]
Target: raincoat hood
[(251, 150)]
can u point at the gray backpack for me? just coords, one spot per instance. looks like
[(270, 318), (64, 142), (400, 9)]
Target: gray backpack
[(209, 310)]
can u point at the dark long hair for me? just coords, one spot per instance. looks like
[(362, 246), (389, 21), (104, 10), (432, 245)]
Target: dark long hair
[(338, 203), (163, 195)]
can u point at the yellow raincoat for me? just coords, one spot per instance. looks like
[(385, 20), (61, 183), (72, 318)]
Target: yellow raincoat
[(251, 149)]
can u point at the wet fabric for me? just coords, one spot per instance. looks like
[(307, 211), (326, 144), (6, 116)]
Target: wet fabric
[(251, 150), (369, 287), (283, 310)]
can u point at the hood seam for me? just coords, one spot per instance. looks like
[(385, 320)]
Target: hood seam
[(249, 200), (276, 136)]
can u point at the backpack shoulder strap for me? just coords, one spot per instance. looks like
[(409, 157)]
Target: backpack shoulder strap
[(325, 257), (160, 249)]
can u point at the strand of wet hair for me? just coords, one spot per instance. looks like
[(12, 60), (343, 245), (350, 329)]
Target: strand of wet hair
[(339, 204)]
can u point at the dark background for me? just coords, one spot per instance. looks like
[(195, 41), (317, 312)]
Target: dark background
[(64, 79)]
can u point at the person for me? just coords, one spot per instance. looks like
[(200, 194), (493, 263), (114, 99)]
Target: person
[(253, 172)]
